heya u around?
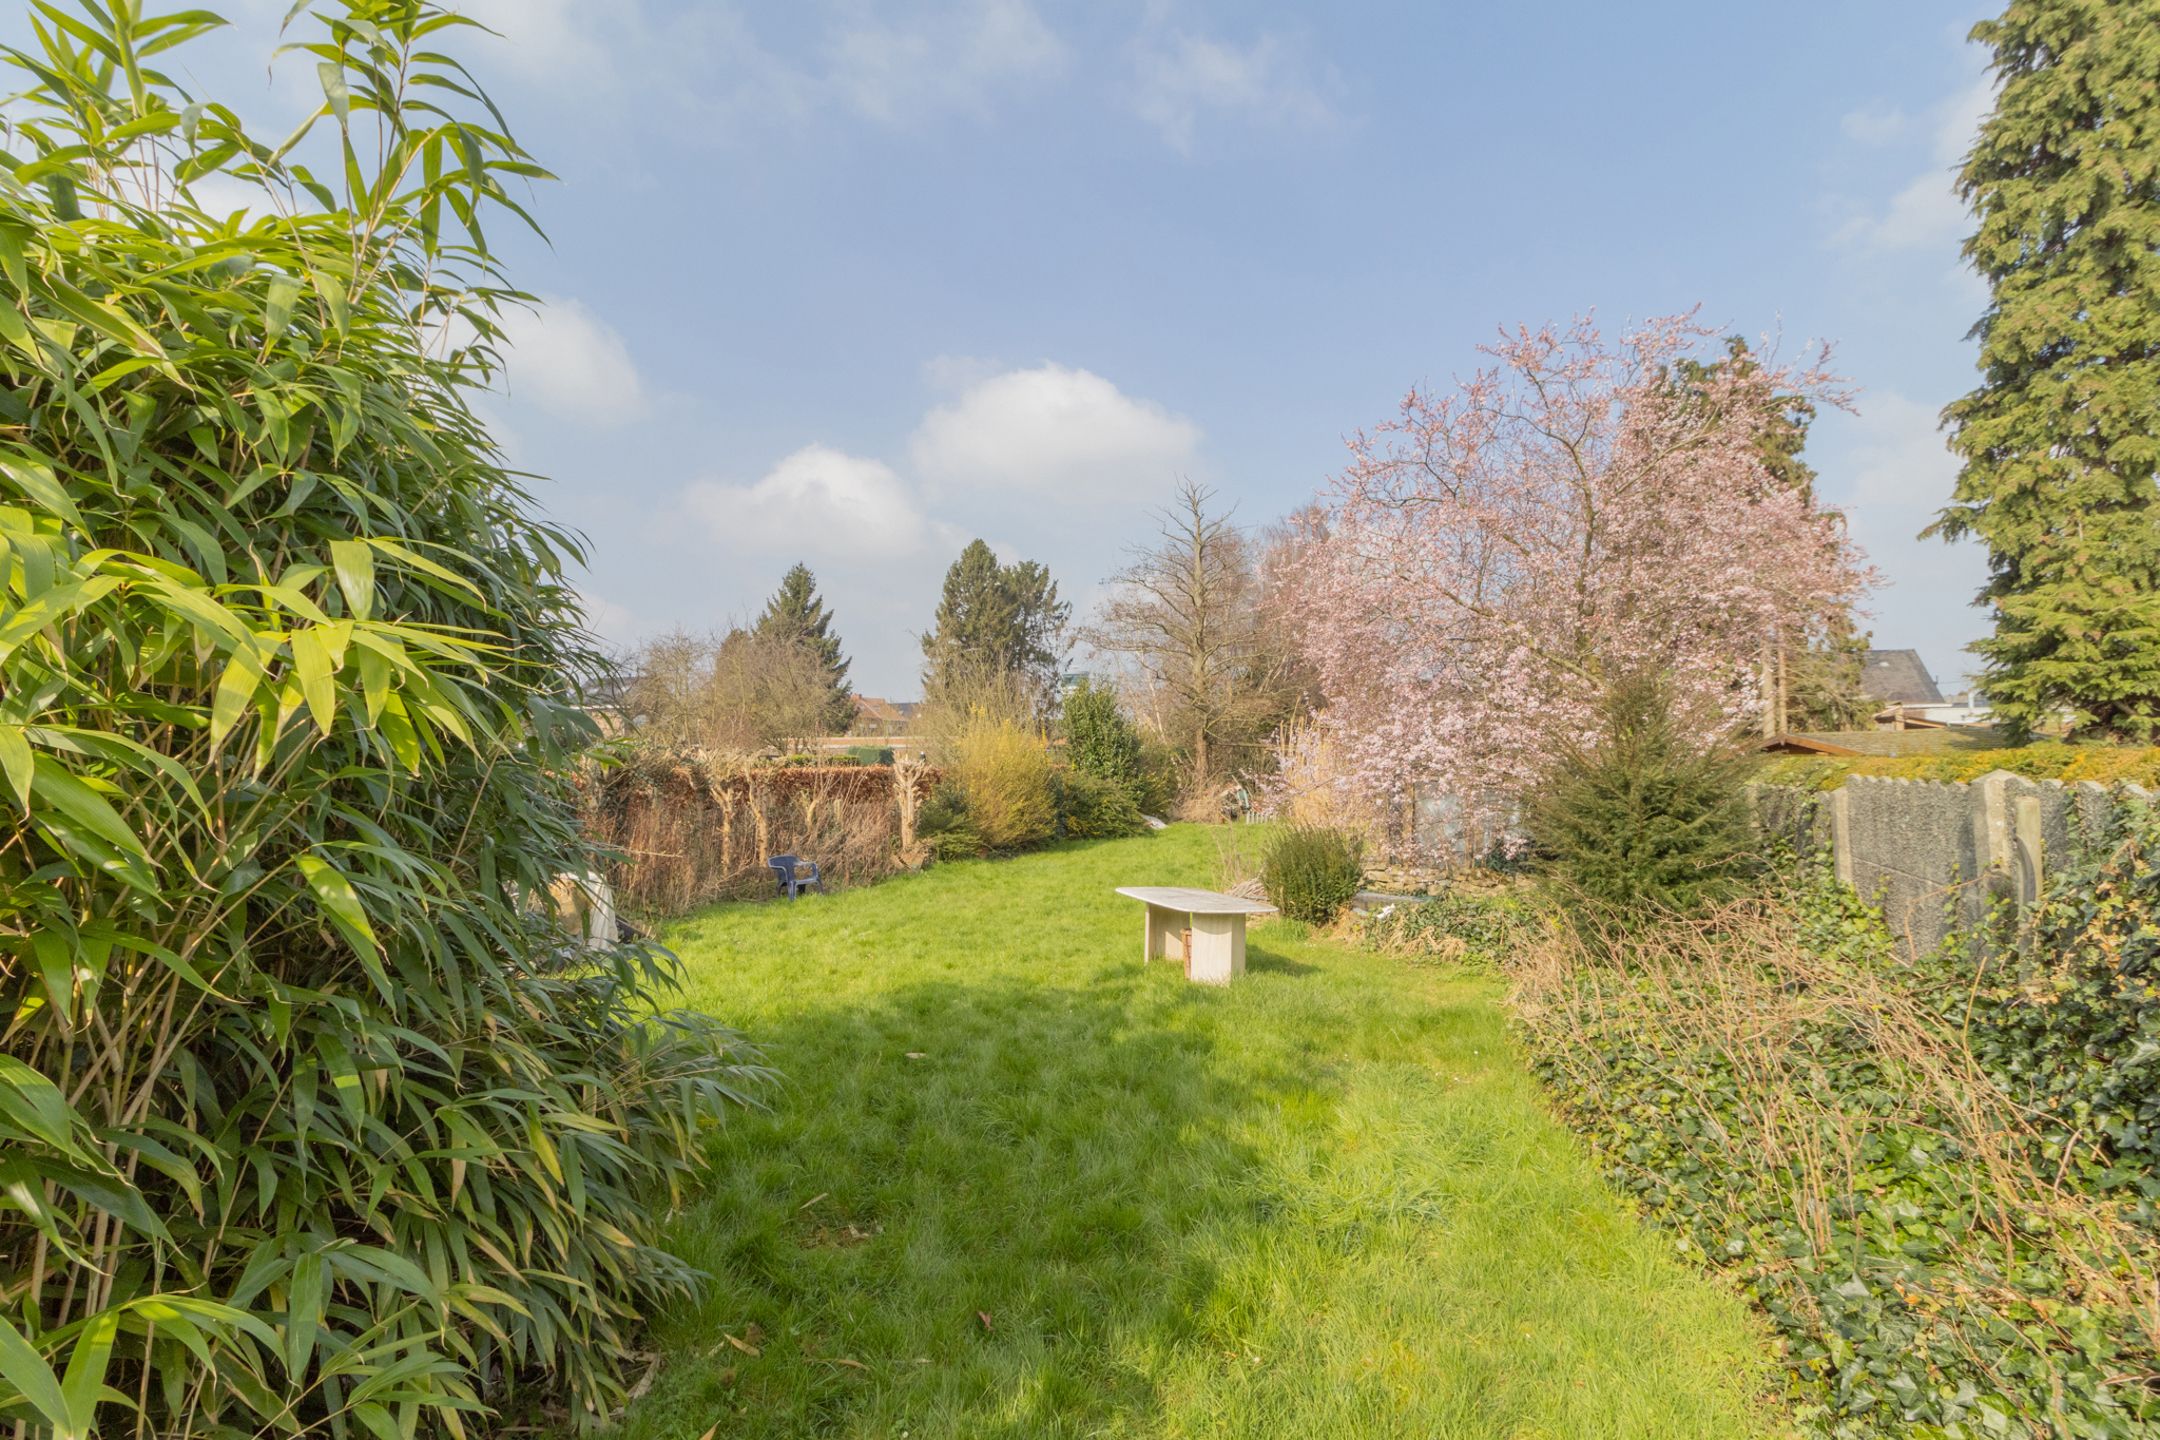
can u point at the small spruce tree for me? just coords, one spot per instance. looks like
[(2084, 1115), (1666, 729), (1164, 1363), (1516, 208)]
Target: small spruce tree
[(1099, 740), (1646, 818)]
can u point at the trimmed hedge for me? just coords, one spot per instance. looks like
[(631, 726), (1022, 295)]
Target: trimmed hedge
[(2048, 760)]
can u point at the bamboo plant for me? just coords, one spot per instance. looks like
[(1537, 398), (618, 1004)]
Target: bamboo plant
[(307, 1125)]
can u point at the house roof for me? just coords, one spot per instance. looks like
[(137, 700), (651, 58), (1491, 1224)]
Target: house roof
[(1898, 677), (879, 708)]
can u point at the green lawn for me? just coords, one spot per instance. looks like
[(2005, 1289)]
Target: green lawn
[(1018, 1186)]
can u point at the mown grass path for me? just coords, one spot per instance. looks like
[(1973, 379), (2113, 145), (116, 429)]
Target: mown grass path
[(1016, 1186)]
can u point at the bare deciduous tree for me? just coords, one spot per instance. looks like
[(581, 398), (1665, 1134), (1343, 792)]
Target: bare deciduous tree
[(743, 691), (1186, 618)]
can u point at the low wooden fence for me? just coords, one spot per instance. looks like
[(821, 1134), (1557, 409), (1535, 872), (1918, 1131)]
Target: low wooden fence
[(689, 829)]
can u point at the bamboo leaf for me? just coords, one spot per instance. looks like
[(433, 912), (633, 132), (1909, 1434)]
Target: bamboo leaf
[(340, 902), (303, 1313), (354, 562), (15, 763), (34, 1105), (52, 783), (36, 480), (31, 1378), (335, 89), (317, 674), (278, 306), (84, 1382), (236, 690)]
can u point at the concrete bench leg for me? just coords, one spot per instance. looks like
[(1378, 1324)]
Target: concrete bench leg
[(1162, 925), (1218, 944)]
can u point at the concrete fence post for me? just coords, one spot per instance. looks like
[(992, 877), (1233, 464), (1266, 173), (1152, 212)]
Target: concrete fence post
[(1841, 841), (1991, 820)]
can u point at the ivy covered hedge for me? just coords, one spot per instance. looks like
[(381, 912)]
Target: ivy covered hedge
[(2068, 1020), (1950, 1241)]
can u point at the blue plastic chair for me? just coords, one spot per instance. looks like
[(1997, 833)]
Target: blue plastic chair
[(795, 875)]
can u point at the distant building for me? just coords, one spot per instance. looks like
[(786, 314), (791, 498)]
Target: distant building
[(875, 715)]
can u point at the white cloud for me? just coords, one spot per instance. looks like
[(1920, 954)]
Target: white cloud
[(543, 38), (615, 625), (950, 374), (819, 502), (1925, 213), (1875, 124), (891, 63), (1054, 431), (568, 359), (219, 194), (1181, 78), (898, 72)]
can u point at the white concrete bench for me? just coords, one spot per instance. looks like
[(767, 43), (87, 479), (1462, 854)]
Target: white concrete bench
[(1209, 929)]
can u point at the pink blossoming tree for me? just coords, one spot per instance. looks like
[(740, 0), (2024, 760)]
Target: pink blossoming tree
[(1493, 557)]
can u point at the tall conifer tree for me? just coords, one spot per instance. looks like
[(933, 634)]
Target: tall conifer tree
[(2062, 439), (995, 619), (797, 613)]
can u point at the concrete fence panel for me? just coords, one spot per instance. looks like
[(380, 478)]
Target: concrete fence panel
[(1937, 856)]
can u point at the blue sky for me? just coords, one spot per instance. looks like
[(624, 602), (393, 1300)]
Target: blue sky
[(852, 282)]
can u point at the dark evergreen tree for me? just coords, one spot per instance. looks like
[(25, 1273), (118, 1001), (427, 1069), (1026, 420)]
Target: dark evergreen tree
[(1810, 682), (796, 613), (1647, 818), (2062, 440), (997, 620), (1099, 740)]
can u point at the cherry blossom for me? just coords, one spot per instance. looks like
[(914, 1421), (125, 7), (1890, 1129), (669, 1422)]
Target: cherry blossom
[(1494, 555)]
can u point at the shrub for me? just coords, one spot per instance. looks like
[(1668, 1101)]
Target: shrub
[(1311, 872), (1003, 770), (1482, 927), (944, 826), (308, 1125), (1160, 775), (1093, 808), (2069, 1019), (1099, 740), (1645, 819)]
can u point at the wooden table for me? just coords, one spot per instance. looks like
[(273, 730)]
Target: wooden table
[(1209, 929)]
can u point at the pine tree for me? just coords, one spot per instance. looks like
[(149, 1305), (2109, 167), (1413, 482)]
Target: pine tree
[(997, 620), (2061, 441), (796, 613)]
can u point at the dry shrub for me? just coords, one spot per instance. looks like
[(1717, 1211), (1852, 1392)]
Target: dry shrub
[(1772, 1085), (740, 691), (1312, 784), (1002, 769), (693, 827)]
